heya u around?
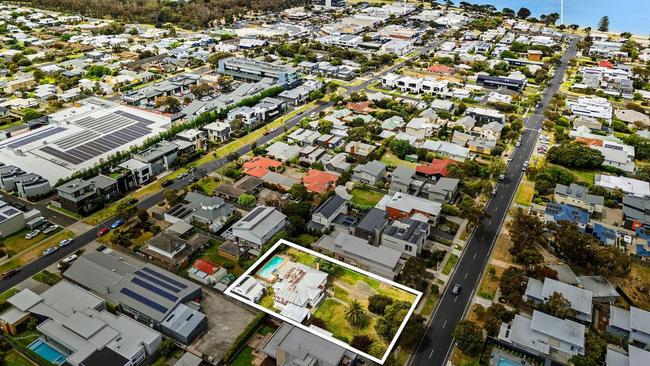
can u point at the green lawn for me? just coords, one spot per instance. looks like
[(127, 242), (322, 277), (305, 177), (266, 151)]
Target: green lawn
[(304, 240), (13, 358), (65, 212), (46, 277), (7, 294), (365, 198), (451, 263), (244, 358), (34, 249), (525, 193), (212, 255), (392, 160), (429, 304)]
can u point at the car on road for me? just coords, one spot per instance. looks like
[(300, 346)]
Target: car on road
[(273, 130), (167, 183), (32, 234), (117, 223), (502, 177), (456, 289), (518, 144), (65, 242), (494, 192), (312, 115), (510, 159), (195, 179), (132, 201), (102, 231), (182, 176), (50, 250), (10, 273)]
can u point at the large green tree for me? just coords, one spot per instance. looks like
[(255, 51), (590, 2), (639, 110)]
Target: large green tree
[(469, 337)]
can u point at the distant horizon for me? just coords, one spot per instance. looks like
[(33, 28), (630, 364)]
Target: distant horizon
[(630, 18)]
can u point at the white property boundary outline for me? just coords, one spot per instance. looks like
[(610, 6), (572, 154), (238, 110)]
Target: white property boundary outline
[(272, 250)]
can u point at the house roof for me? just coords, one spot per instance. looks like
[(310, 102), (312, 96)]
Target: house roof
[(580, 299), (408, 204), (361, 249), (565, 330), (640, 320), (436, 167), (259, 166), (318, 181), (329, 207), (206, 266), (373, 219)]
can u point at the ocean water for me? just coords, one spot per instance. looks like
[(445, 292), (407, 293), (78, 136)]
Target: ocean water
[(624, 15)]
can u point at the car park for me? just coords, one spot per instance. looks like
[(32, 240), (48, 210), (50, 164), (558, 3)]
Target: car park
[(32, 234), (102, 231), (50, 250), (65, 242), (456, 289), (117, 223)]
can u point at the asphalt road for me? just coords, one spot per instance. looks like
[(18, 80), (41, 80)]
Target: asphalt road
[(435, 347)]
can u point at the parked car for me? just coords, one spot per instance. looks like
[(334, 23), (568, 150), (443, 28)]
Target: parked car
[(64, 263), (312, 115), (182, 176), (502, 177), (102, 231), (50, 250), (518, 144), (64, 242), (456, 289), (32, 234), (50, 229), (494, 192), (10, 273), (117, 223), (167, 183), (132, 201), (100, 248)]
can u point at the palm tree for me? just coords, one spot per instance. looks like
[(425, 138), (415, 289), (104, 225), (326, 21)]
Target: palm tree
[(355, 315)]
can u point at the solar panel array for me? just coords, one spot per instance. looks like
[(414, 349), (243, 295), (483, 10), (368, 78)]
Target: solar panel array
[(137, 297), (253, 214), (164, 278), (157, 281), (156, 290), (134, 117), (11, 211), (76, 139), (105, 124), (45, 132), (101, 145)]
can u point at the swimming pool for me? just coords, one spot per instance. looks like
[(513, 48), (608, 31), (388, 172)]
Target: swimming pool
[(508, 362), (267, 271), (47, 352)]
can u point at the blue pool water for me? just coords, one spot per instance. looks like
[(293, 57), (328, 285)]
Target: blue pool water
[(507, 362), (270, 266), (48, 353)]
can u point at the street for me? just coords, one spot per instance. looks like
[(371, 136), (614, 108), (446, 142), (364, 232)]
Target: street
[(436, 345)]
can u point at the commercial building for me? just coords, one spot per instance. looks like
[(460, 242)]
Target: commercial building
[(252, 70)]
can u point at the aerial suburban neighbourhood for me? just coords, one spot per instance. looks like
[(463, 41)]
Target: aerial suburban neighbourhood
[(323, 183)]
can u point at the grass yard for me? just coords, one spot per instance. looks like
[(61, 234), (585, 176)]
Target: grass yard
[(365, 198), (429, 304), (392, 160), (304, 240), (34, 251), (244, 358), (46, 277), (490, 283), (636, 285), (351, 277), (65, 212), (13, 358), (525, 192), (7, 294), (450, 264), (332, 313), (212, 254)]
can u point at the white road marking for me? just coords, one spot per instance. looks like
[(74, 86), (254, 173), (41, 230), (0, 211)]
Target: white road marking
[(466, 275), (444, 324), (474, 256), (431, 354), (455, 298)]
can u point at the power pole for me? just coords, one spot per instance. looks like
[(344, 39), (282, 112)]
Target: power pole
[(561, 11)]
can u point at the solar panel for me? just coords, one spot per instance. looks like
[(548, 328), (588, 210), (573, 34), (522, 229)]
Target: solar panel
[(61, 155), (35, 137), (154, 289), (253, 214), (165, 278), (134, 117), (157, 281), (137, 297), (11, 211)]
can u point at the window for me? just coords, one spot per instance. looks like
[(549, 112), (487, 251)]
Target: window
[(408, 248)]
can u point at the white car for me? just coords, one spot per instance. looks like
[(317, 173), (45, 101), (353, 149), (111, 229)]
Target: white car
[(64, 242), (518, 144), (312, 115), (32, 234), (51, 229), (50, 250)]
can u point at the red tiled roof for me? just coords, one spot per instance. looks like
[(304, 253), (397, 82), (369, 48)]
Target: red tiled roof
[(259, 166), (440, 69), (206, 266), (318, 181), (605, 63), (437, 166), (590, 141), (361, 107)]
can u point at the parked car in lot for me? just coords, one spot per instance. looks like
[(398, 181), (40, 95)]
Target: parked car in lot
[(10, 273), (50, 250), (65, 242), (117, 223), (102, 231), (32, 234), (456, 289), (50, 229)]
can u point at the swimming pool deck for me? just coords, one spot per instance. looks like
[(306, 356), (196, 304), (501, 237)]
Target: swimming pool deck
[(273, 277)]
